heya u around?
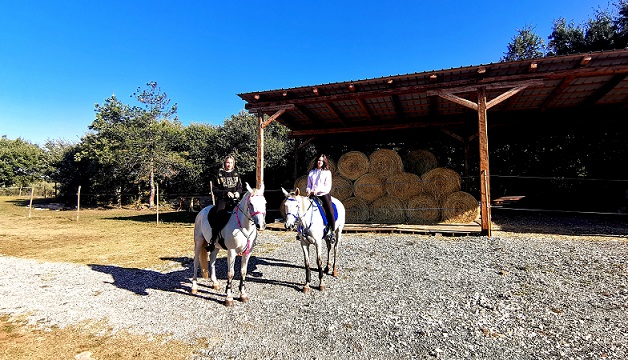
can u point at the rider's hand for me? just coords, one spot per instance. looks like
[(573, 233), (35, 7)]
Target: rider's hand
[(230, 195), (236, 195)]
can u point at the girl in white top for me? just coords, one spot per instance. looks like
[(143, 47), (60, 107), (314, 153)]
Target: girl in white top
[(319, 185)]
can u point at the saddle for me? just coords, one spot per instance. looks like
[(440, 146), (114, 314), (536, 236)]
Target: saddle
[(321, 210), (218, 219)]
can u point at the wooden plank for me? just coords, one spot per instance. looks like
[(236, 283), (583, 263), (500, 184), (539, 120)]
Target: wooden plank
[(273, 118), (504, 96), (372, 128), (457, 99)]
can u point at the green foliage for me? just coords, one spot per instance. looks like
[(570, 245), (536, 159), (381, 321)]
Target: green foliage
[(21, 163), (566, 38), (525, 45)]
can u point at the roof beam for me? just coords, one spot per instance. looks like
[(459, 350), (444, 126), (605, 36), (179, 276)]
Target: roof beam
[(365, 109), (603, 90), (273, 118), (373, 128), (335, 113), (556, 92)]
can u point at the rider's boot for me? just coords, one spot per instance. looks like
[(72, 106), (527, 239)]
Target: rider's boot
[(212, 244)]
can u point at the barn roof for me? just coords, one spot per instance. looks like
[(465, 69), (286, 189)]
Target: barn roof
[(568, 85)]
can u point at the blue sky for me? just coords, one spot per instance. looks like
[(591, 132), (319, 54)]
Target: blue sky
[(59, 58)]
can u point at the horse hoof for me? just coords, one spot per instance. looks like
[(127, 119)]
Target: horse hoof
[(194, 291), (326, 270), (216, 287), (306, 289), (322, 287), (335, 273), (229, 302), (244, 298)]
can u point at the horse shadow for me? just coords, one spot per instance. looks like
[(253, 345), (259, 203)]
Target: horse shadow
[(140, 281)]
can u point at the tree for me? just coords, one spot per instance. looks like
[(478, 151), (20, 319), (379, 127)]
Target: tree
[(21, 162), (600, 32), (621, 25), (566, 38), (525, 45)]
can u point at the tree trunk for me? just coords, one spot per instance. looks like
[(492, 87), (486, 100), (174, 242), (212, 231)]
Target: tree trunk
[(151, 198)]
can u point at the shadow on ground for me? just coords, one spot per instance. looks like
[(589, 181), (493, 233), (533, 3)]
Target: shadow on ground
[(140, 281)]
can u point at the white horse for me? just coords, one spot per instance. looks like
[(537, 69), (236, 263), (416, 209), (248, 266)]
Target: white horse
[(304, 216), (239, 234)]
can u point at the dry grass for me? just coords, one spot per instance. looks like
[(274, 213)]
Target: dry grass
[(19, 340), (123, 237)]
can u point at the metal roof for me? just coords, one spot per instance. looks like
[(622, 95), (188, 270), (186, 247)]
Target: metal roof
[(569, 85)]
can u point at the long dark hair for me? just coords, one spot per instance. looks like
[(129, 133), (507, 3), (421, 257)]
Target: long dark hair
[(324, 167)]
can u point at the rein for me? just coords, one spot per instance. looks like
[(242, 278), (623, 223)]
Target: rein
[(252, 213), (299, 218)]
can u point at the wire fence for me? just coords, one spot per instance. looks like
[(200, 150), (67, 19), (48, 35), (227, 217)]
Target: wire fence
[(508, 192)]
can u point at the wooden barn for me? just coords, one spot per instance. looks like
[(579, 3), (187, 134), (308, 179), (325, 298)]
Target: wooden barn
[(552, 93)]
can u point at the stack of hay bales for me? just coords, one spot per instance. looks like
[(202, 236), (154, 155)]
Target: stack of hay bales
[(376, 189)]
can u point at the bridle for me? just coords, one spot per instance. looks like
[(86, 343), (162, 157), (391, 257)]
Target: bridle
[(251, 214), (298, 218)]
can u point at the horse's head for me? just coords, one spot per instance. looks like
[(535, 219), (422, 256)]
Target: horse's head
[(257, 206), (291, 207)]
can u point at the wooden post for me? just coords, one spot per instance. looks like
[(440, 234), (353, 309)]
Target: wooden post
[(259, 171), (485, 196), (78, 203), (157, 186), (211, 190), (30, 207)]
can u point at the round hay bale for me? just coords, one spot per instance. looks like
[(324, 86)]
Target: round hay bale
[(423, 209), (385, 162), (330, 163), (419, 162), (356, 210), (460, 207), (388, 210), (369, 187), (353, 164), (282, 209), (341, 188), (403, 185), (301, 183), (440, 182)]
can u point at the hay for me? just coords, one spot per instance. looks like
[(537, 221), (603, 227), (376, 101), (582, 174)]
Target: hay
[(385, 162), (440, 182), (460, 207), (423, 209), (403, 185), (353, 164), (356, 210), (282, 209), (301, 183), (388, 210), (330, 163), (369, 187), (341, 188), (419, 162)]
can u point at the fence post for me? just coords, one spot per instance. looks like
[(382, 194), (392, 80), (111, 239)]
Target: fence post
[(211, 190), (78, 203), (157, 185), (30, 206)]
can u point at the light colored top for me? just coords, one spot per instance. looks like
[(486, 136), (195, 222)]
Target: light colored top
[(318, 182)]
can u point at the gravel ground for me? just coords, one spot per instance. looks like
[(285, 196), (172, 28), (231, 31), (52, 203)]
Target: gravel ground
[(407, 296)]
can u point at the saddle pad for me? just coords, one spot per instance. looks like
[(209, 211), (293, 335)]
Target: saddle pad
[(319, 204)]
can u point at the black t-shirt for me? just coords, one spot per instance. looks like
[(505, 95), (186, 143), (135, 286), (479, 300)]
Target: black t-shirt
[(228, 181)]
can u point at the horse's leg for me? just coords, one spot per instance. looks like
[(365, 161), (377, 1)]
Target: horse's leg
[(328, 258), (200, 258), (231, 256), (212, 267), (306, 258), (338, 235), (319, 263), (244, 261)]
